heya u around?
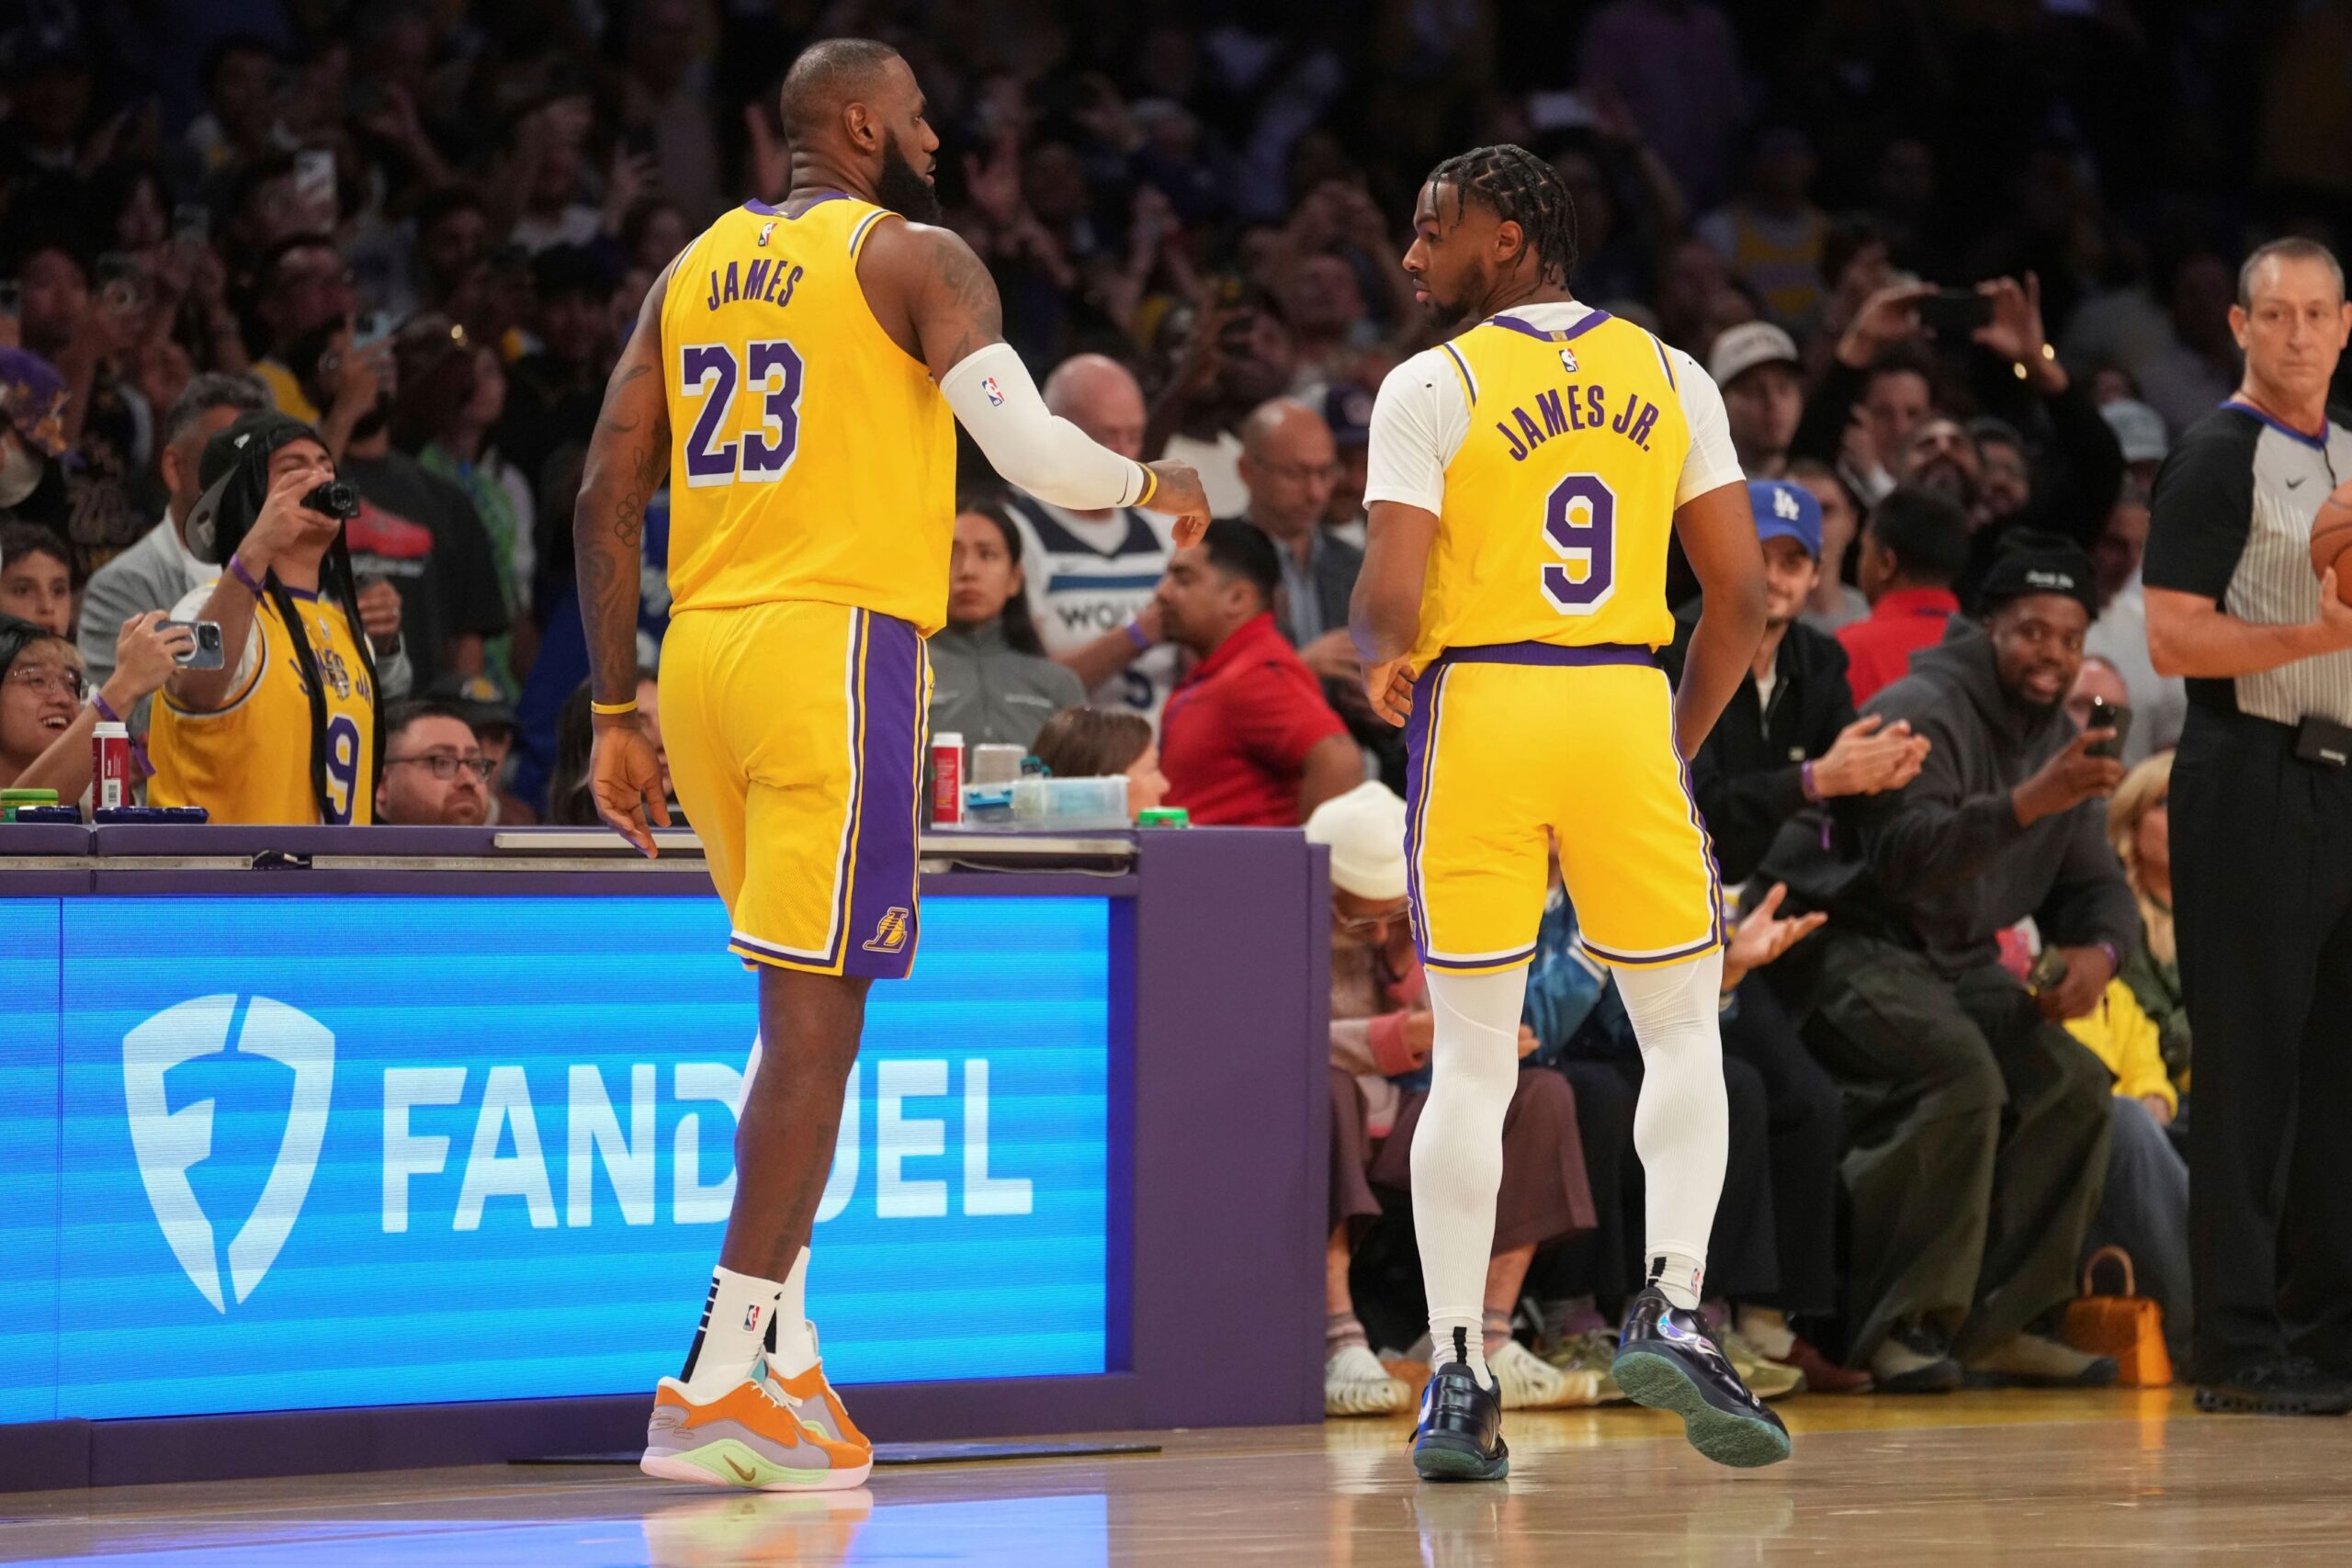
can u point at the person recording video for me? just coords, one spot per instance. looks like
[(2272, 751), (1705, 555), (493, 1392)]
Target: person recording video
[(287, 728)]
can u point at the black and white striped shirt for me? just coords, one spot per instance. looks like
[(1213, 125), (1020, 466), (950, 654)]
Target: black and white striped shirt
[(2231, 522)]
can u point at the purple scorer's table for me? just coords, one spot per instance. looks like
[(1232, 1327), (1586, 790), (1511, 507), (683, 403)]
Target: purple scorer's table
[(366, 1148)]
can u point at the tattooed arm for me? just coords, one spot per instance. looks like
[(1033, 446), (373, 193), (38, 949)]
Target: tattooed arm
[(628, 457), (937, 301)]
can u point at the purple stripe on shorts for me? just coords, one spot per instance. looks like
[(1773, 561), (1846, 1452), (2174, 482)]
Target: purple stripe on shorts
[(1420, 730), (879, 941), (1549, 653), (1508, 961)]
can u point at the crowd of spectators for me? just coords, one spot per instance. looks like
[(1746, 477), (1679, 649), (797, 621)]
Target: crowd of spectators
[(1961, 292)]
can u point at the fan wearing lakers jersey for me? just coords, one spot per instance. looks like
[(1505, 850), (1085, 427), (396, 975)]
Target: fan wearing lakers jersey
[(796, 373), (1524, 477)]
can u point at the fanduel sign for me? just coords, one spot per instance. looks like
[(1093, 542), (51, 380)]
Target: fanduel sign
[(361, 1150)]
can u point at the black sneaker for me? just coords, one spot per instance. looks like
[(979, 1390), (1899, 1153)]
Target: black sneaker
[(1666, 1361), (2289, 1386), (1914, 1359), (1460, 1434)]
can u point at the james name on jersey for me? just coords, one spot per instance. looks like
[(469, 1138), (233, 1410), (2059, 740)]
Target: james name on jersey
[(1576, 407)]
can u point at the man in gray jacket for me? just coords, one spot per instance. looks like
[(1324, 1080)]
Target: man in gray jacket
[(1979, 1126)]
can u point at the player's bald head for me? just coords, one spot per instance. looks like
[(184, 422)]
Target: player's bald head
[(1101, 397), (830, 75)]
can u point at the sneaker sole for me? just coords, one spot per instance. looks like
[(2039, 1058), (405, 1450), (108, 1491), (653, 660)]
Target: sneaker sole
[(2222, 1401), (1438, 1459), (740, 1468), (1661, 1383)]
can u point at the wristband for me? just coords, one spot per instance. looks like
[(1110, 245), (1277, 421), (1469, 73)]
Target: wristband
[(1135, 635), (610, 709), (237, 569), (2114, 959), (105, 708), (1150, 489), (1812, 790)]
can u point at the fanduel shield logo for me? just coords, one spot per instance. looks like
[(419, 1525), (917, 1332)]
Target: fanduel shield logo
[(169, 1142)]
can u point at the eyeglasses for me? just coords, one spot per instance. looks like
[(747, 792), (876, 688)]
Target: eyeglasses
[(50, 677), (445, 767), (1366, 925)]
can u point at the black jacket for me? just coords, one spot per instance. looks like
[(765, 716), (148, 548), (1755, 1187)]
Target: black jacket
[(1942, 865), (1748, 777)]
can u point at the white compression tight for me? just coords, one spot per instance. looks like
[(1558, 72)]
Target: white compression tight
[(1681, 1125), (1458, 1150)]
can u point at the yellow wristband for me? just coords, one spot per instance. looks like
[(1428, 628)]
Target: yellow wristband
[(1150, 487), (629, 706)]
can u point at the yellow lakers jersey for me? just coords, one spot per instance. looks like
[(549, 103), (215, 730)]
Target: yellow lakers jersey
[(811, 457), (248, 761), (1560, 504)]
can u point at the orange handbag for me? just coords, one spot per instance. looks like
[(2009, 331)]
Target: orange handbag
[(2128, 1328)]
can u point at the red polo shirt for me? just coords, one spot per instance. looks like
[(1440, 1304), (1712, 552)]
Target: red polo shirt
[(1234, 739), (1878, 648)]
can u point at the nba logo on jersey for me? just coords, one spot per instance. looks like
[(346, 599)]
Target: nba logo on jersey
[(766, 230), (1568, 360), (996, 396), (890, 931)]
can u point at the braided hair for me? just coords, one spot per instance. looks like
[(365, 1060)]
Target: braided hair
[(1519, 188)]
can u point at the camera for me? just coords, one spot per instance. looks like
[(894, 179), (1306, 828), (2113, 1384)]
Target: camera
[(335, 499)]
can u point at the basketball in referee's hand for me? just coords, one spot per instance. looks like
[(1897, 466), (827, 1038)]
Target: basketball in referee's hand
[(2332, 539)]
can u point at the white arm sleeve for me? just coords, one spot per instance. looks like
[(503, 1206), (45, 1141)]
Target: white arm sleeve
[(1712, 463), (1419, 422), (1039, 452)]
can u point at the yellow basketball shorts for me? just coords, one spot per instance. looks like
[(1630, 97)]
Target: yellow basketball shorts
[(796, 733), (1514, 743)]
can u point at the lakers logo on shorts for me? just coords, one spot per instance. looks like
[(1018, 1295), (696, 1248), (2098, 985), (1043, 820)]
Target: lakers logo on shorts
[(889, 932)]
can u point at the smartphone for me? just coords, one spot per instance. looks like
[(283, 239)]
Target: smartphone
[(205, 654), (1954, 314), (2107, 715), (369, 328), (2049, 969), (314, 176)]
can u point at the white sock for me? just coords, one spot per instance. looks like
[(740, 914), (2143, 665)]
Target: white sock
[(1682, 1122), (1458, 1152), (735, 1318), (792, 1349)]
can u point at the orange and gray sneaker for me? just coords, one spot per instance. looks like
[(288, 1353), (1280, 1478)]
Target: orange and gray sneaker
[(758, 1436), (810, 1397)]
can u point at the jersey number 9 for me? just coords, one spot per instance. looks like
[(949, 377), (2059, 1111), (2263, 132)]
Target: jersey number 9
[(343, 770), (1580, 524), (711, 372)]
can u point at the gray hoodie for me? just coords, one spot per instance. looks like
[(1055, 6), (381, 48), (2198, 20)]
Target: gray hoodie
[(988, 691), (1942, 864)]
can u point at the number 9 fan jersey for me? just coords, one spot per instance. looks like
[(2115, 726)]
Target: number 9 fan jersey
[(1553, 443), (811, 457)]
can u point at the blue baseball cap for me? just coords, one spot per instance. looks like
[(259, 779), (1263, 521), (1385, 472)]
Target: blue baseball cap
[(1785, 511)]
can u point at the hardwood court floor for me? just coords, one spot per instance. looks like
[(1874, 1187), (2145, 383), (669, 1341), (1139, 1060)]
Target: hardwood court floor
[(2013, 1478)]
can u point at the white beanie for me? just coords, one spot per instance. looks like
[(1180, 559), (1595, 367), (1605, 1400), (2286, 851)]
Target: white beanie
[(1365, 828)]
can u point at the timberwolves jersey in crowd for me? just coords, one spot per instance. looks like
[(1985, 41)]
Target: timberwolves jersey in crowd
[(1091, 575)]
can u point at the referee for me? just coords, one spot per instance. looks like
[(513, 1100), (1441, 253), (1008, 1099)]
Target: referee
[(2262, 847)]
